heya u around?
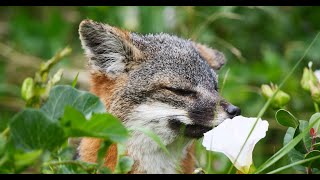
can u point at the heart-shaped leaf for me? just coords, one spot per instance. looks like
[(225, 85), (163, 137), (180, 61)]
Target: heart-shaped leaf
[(315, 163), (294, 155), (63, 95), (316, 146), (104, 126), (24, 159), (125, 165), (31, 129), (285, 118)]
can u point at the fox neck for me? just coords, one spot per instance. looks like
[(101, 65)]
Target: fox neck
[(151, 159)]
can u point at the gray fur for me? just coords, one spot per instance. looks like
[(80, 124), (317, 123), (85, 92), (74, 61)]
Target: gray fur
[(168, 85)]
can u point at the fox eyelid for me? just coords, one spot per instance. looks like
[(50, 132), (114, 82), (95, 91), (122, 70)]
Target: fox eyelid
[(181, 92)]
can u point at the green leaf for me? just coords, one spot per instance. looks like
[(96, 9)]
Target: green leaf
[(3, 159), (285, 149), (311, 159), (74, 83), (304, 145), (306, 139), (2, 144), (72, 117), (295, 155), (314, 163), (103, 126), (285, 118), (102, 152), (316, 146), (125, 165), (31, 129), (317, 125), (63, 95), (25, 159), (106, 125), (27, 91), (104, 170)]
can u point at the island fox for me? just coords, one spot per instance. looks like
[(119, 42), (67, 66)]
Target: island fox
[(159, 82)]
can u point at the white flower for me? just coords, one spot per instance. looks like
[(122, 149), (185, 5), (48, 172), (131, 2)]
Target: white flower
[(317, 74), (231, 134)]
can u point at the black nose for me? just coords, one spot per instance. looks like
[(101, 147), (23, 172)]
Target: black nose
[(233, 110)]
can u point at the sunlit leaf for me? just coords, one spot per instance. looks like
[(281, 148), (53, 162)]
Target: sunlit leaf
[(314, 163), (285, 118), (100, 125), (63, 95), (31, 129)]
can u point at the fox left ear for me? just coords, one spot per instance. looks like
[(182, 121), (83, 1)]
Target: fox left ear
[(109, 49), (214, 58)]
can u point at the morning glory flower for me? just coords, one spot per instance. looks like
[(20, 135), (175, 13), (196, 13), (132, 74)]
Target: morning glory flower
[(231, 134)]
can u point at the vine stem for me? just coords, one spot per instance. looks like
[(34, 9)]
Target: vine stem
[(5, 132), (88, 170), (316, 107), (266, 105)]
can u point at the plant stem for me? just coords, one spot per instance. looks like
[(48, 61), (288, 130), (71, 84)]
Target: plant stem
[(293, 164), (316, 107), (5, 133), (266, 105), (209, 164), (224, 80), (45, 67), (309, 170), (88, 170)]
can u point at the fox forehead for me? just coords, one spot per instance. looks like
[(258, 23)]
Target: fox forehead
[(170, 56)]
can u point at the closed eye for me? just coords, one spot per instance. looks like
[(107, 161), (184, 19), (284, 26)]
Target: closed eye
[(181, 92)]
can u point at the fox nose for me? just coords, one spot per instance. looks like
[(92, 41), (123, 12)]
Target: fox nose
[(233, 110)]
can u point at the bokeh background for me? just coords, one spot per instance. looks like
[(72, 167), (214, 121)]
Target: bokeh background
[(261, 44)]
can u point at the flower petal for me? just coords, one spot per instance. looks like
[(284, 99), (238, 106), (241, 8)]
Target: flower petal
[(231, 134)]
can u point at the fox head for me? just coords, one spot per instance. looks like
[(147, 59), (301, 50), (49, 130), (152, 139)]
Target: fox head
[(160, 82)]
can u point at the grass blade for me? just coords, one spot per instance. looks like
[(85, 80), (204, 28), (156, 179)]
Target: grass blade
[(284, 150), (74, 83), (293, 164), (154, 137), (266, 105)]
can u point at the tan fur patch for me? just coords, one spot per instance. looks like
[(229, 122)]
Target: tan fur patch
[(88, 151), (103, 87), (188, 162), (125, 36), (134, 168), (214, 58)]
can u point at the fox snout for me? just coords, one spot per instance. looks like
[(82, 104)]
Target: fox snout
[(205, 116), (231, 109)]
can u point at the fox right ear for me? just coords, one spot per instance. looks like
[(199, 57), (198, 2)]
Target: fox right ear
[(214, 58), (109, 49)]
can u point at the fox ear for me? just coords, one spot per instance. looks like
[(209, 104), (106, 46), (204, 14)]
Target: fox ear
[(109, 49), (215, 58)]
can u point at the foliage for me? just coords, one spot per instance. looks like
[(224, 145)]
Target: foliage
[(261, 45), (37, 137)]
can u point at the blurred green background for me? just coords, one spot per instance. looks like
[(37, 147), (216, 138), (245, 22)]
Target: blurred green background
[(261, 44)]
